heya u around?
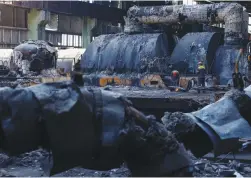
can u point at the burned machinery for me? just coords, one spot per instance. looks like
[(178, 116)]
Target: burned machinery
[(33, 55), (106, 129), (31, 62), (151, 48)]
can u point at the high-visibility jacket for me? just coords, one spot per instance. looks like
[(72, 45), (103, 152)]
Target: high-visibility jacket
[(201, 71)]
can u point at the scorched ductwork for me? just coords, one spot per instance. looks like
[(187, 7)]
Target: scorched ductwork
[(232, 14), (159, 39)]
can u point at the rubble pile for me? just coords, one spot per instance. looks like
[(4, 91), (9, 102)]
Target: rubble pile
[(27, 164), (206, 168), (148, 146), (36, 163), (13, 79), (154, 152)]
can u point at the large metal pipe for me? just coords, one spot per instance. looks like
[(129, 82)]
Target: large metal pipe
[(104, 132), (228, 118), (94, 128), (232, 14)]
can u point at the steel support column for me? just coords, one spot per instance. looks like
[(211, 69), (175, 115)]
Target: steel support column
[(37, 19), (88, 24)]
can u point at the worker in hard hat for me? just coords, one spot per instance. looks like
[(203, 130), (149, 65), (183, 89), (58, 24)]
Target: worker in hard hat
[(249, 67), (249, 58), (175, 77), (201, 74), (247, 78), (173, 80)]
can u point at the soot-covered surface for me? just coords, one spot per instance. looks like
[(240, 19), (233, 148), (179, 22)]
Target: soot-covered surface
[(16, 80), (194, 47), (224, 64), (230, 13), (33, 164), (126, 53), (135, 92), (30, 164)]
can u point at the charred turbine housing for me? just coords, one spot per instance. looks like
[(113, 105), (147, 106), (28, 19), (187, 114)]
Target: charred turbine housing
[(34, 55), (232, 14)]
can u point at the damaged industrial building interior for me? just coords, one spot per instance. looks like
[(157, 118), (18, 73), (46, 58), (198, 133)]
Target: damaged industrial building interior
[(125, 88)]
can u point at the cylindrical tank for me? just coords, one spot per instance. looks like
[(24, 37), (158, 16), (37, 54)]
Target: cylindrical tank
[(194, 47), (40, 54), (122, 53)]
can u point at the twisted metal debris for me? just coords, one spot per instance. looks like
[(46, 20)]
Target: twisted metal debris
[(106, 129)]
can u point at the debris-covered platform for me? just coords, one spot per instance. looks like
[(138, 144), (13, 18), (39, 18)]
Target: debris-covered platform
[(158, 101), (70, 122), (36, 164)]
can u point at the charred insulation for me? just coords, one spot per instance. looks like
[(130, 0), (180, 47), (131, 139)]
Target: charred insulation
[(229, 13), (187, 132), (146, 151)]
